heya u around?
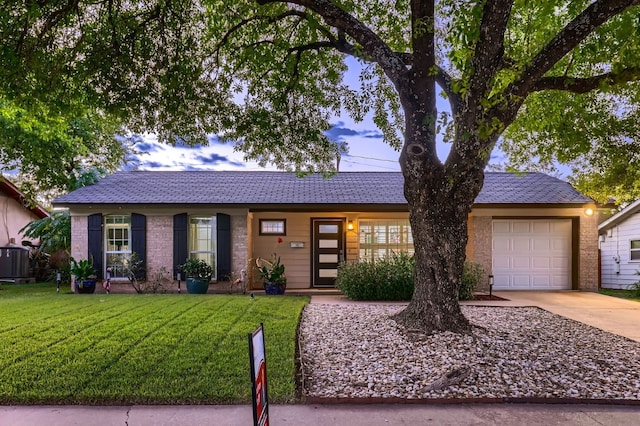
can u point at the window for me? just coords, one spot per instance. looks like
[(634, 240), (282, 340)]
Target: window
[(117, 238), (202, 240), (273, 227), (635, 250), (382, 238)]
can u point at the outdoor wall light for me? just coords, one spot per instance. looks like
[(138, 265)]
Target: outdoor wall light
[(588, 211), (350, 225)]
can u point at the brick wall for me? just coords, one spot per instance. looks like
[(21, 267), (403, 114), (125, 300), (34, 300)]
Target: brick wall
[(239, 244), (481, 241), (588, 263), (79, 237), (159, 244)]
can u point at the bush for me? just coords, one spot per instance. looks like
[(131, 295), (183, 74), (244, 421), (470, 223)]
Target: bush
[(472, 273), (393, 279), (386, 279)]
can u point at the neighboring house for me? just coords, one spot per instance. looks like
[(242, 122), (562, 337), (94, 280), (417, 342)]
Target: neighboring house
[(620, 248), (15, 214), (530, 231)]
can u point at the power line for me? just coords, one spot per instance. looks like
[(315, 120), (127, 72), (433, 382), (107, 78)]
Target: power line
[(371, 158), (370, 165)]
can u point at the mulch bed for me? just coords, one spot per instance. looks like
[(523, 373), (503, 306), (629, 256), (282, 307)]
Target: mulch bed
[(487, 297)]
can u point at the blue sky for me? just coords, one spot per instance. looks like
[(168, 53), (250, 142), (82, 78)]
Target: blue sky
[(367, 151)]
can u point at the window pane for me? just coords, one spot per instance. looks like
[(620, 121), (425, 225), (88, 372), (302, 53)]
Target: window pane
[(202, 239), (328, 229), (635, 255), (635, 244), (117, 244), (273, 226), (328, 243), (382, 238)]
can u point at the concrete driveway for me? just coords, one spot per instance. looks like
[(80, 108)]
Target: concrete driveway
[(612, 314)]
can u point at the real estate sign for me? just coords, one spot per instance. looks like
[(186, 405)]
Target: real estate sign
[(258, 361)]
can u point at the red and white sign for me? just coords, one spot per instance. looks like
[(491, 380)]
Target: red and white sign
[(258, 362)]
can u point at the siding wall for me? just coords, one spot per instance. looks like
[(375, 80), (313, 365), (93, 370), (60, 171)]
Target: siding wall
[(13, 217), (297, 261), (617, 244)]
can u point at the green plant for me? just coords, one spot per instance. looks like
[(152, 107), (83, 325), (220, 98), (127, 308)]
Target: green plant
[(83, 270), (196, 268), (391, 278), (271, 271), (54, 232), (472, 274)]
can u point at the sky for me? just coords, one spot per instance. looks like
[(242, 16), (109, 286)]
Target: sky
[(367, 150)]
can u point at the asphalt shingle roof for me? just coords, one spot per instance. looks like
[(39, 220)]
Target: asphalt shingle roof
[(255, 188)]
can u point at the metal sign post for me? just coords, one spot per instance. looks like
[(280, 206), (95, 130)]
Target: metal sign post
[(258, 361)]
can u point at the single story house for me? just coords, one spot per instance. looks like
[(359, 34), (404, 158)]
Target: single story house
[(619, 238), (530, 231), (15, 213)]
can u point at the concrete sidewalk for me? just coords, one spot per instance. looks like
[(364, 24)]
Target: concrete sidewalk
[(307, 415)]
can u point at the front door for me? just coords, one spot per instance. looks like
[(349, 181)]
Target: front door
[(328, 251)]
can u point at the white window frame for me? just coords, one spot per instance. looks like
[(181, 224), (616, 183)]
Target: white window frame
[(400, 241), (634, 250), (116, 222), (276, 227), (207, 250)]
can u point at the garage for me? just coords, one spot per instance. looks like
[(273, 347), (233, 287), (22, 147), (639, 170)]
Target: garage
[(532, 254)]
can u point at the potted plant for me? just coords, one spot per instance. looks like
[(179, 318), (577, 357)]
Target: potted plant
[(272, 272), (84, 276), (198, 274)]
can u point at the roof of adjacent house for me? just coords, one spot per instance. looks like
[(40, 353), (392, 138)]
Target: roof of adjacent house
[(12, 191), (269, 188), (621, 216)]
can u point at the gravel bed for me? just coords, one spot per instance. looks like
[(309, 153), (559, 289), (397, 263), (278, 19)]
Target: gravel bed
[(356, 351)]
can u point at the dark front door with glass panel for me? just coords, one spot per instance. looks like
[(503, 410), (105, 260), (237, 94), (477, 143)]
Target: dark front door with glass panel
[(328, 251)]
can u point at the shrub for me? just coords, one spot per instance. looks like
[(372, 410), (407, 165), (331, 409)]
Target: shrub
[(472, 273), (385, 279), (393, 279)]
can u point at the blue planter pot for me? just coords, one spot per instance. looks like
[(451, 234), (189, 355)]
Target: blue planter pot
[(274, 287), (87, 287), (197, 285)]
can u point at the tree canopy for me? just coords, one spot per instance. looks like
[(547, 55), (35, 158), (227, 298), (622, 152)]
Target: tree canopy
[(549, 80)]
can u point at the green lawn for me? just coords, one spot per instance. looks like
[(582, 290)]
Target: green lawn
[(140, 349), (623, 294)]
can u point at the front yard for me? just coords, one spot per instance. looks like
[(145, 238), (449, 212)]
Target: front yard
[(140, 349)]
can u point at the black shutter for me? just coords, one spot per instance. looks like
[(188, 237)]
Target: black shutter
[(180, 235), (94, 233), (223, 236), (139, 242)]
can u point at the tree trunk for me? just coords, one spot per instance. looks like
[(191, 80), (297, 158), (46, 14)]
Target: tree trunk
[(438, 219)]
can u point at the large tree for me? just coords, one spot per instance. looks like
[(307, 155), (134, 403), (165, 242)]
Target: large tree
[(270, 75)]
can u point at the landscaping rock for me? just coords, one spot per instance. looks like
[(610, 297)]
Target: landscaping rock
[(357, 351)]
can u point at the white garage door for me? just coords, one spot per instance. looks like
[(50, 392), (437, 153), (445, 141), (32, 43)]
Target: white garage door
[(532, 254)]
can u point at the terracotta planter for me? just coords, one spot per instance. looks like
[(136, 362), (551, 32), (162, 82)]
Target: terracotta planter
[(274, 287), (197, 285), (88, 287)]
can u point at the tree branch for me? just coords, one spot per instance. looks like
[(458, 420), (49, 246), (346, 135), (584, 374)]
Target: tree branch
[(372, 44), (445, 81), (566, 40), (584, 85), (489, 50)]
